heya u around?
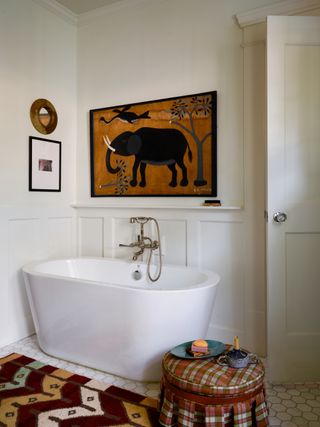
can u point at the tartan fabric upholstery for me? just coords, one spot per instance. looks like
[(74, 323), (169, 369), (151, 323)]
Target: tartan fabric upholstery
[(204, 377), (199, 392)]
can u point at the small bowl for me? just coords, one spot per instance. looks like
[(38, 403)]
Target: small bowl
[(242, 360)]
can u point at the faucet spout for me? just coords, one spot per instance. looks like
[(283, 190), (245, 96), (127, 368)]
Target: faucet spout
[(137, 254)]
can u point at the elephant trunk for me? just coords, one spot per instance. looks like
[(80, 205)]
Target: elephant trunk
[(108, 156), (110, 168)]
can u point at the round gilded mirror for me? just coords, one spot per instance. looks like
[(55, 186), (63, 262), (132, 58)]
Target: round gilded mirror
[(43, 116)]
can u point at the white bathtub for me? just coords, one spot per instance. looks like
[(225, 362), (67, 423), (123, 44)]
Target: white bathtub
[(91, 311)]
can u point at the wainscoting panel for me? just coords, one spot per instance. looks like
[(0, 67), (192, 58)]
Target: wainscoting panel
[(27, 235), (222, 250), (25, 246), (173, 234), (119, 231), (91, 231), (101, 236), (61, 237)]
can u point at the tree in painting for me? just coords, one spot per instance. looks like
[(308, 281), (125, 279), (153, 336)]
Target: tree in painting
[(198, 106), (122, 182)]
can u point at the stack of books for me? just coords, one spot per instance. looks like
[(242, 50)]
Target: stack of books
[(212, 203)]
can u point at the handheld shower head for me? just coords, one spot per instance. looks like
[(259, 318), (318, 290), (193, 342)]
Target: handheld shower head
[(139, 219)]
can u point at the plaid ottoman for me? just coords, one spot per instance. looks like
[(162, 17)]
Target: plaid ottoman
[(200, 392)]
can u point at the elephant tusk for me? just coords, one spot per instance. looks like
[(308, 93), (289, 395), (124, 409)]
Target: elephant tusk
[(108, 144)]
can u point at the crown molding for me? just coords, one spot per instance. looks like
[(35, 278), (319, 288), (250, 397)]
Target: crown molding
[(83, 18), (59, 10), (287, 7)]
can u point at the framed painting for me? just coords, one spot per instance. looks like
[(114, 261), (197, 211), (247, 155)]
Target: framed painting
[(166, 147), (44, 164)]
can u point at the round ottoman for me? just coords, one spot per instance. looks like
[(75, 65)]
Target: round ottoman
[(200, 392)]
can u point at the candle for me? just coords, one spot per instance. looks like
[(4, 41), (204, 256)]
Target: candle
[(236, 344)]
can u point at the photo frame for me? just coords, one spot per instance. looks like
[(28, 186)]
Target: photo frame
[(165, 147), (44, 164)]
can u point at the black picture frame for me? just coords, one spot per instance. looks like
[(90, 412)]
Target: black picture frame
[(44, 164), (189, 121)]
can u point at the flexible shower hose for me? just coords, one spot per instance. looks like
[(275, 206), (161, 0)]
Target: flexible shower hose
[(154, 279)]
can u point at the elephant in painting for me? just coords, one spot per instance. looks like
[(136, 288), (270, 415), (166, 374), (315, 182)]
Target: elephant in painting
[(150, 146)]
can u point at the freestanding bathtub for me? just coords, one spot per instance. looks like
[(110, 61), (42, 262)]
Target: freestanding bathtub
[(92, 311)]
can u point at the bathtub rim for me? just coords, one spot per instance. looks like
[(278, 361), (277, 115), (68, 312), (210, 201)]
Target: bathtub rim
[(212, 280)]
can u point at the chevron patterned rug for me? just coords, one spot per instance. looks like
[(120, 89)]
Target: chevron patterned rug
[(33, 394)]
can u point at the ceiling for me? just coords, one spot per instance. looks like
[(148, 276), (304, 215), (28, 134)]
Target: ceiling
[(83, 6)]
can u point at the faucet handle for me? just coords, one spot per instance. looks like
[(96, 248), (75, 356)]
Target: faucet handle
[(122, 245)]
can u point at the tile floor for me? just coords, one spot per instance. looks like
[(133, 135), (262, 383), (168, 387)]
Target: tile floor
[(291, 405)]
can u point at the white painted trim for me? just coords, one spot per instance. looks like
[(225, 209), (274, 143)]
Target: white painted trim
[(59, 10), (154, 206), (287, 7), (83, 18)]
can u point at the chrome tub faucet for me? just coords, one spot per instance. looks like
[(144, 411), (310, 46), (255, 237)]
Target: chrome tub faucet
[(143, 242)]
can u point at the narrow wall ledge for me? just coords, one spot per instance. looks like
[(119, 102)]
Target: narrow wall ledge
[(155, 206)]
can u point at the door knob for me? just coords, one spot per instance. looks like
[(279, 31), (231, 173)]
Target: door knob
[(280, 217)]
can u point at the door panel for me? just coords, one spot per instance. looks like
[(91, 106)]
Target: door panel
[(302, 296), (293, 253), (302, 124)]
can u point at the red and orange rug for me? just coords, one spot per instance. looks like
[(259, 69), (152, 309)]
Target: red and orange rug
[(33, 394)]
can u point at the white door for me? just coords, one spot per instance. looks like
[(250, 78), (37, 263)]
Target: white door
[(293, 244)]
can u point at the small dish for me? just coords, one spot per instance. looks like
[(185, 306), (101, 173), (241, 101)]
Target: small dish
[(241, 361), (214, 349)]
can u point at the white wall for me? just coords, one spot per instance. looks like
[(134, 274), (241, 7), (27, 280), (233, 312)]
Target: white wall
[(152, 50), (37, 60), (143, 50)]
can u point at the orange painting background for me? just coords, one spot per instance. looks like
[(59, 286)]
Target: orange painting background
[(157, 176)]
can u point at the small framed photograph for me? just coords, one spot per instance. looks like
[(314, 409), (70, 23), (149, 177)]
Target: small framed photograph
[(44, 164)]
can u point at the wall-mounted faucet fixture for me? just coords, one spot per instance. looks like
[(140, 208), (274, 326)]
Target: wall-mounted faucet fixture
[(143, 242)]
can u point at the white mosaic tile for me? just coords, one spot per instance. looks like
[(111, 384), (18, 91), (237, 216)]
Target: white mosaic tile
[(294, 412), (290, 405), (300, 422), (283, 416), (288, 424), (29, 347), (301, 407)]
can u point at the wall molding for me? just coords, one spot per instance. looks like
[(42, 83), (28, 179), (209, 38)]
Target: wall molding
[(287, 7), (254, 16), (156, 206), (59, 10), (28, 233), (83, 18)]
